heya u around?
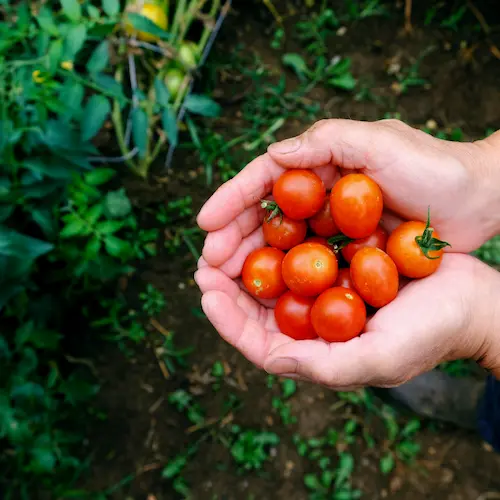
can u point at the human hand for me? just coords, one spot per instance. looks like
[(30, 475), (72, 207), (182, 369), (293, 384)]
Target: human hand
[(452, 314), (413, 170)]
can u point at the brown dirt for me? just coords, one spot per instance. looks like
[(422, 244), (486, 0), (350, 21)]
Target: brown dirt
[(143, 431)]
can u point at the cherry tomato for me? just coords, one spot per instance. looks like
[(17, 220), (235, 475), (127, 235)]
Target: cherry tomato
[(377, 239), (322, 223), (375, 276), (293, 315), (283, 232), (309, 269), (356, 205), (410, 254), (299, 193), (338, 315), (344, 279), (261, 273)]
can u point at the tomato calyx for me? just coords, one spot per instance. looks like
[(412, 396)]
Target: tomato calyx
[(272, 209), (339, 241), (427, 242)]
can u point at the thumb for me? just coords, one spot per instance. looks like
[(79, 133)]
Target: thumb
[(345, 143)]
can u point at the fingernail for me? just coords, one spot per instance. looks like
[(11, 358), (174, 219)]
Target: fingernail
[(283, 366), (285, 147)]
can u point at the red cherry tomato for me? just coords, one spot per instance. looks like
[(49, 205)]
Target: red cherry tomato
[(299, 193), (309, 269), (378, 239), (408, 254), (283, 232), (356, 205), (293, 315), (338, 315), (261, 273), (322, 223), (344, 279), (375, 276)]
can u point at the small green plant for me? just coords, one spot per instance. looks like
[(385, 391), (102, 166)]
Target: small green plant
[(250, 448), (153, 300), (184, 402)]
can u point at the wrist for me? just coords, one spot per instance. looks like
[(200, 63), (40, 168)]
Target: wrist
[(484, 165)]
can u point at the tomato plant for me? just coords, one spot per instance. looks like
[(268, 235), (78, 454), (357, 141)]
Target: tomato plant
[(322, 222), (299, 193), (338, 315), (344, 279), (378, 239), (416, 249), (261, 273), (375, 276), (152, 11), (293, 315), (283, 232), (356, 205), (309, 269)]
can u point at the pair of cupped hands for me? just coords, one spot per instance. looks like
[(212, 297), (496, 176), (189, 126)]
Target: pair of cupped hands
[(449, 315)]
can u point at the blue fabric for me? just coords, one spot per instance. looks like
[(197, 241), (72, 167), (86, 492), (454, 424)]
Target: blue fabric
[(489, 413)]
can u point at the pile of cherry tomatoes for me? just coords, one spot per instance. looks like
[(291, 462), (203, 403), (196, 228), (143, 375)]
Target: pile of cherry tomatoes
[(317, 296)]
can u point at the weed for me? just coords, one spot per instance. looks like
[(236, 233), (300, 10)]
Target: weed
[(184, 402), (250, 448), (153, 300)]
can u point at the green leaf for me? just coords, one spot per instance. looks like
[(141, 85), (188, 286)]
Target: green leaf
[(298, 65), (411, 427), (141, 23), (109, 84), (77, 390), (92, 248), (72, 96), (202, 105), (111, 7), (387, 463), (93, 213), (174, 467), (344, 469), (43, 460), (72, 10), (46, 21), (76, 227), (289, 387), (109, 226), (5, 354), (54, 55), (49, 167), (99, 176), (312, 482), (117, 247), (99, 59), (74, 41), (95, 113), (140, 130), (117, 204), (162, 95), (14, 244), (169, 122), (344, 82)]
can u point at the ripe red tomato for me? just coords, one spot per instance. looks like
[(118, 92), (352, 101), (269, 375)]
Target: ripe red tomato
[(309, 269), (322, 223), (299, 193), (378, 239), (356, 205), (283, 232), (375, 276), (293, 315), (338, 315), (344, 279), (409, 254), (261, 273)]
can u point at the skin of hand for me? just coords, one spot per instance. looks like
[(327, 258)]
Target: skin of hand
[(451, 314)]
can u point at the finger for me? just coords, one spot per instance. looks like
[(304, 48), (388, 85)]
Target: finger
[(390, 221), (223, 243), (233, 266), (347, 143), (246, 334), (246, 189)]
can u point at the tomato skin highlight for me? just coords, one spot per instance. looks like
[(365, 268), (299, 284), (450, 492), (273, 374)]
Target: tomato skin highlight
[(407, 255), (309, 269), (293, 315), (299, 193), (378, 239), (322, 222), (338, 315), (344, 279), (283, 232), (356, 205), (261, 273), (375, 276)]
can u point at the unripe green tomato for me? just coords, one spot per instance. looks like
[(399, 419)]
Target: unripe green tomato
[(188, 52), (173, 81)]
